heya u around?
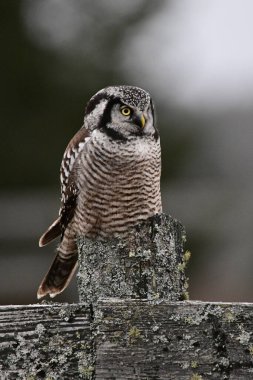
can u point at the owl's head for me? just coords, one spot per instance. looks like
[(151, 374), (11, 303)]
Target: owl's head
[(122, 112)]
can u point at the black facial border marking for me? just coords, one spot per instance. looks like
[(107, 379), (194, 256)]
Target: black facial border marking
[(106, 119), (152, 109), (115, 135), (95, 100), (156, 134)]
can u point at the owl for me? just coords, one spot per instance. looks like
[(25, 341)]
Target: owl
[(110, 178)]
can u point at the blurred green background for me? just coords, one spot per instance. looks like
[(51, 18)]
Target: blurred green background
[(197, 62)]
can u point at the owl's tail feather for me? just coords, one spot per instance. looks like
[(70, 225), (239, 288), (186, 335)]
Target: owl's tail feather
[(51, 233), (58, 276)]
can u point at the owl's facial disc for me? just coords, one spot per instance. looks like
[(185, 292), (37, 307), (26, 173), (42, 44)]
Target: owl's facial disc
[(127, 120), (122, 112)]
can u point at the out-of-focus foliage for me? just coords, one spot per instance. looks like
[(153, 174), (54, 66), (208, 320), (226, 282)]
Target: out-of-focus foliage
[(195, 58), (47, 78)]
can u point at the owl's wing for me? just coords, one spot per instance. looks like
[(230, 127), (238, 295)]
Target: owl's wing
[(69, 188)]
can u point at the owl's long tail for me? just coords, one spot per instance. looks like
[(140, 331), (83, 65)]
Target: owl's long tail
[(61, 270), (58, 276)]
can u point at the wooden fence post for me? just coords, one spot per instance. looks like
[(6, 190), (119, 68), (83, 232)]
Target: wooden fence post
[(131, 323), (148, 265)]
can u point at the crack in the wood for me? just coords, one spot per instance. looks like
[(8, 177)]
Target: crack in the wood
[(219, 345)]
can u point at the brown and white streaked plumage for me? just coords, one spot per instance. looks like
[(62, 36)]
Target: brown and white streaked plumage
[(110, 177)]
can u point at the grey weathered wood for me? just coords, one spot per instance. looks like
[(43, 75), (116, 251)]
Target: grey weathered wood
[(148, 264), (45, 342), (144, 333), (127, 339), (180, 340)]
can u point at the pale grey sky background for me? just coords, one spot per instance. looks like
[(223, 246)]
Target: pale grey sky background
[(197, 53)]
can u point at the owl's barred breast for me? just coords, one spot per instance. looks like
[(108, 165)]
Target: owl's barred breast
[(119, 185), (110, 177)]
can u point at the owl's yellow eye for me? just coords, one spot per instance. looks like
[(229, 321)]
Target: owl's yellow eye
[(126, 111)]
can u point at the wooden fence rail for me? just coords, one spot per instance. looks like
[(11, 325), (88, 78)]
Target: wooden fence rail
[(127, 339)]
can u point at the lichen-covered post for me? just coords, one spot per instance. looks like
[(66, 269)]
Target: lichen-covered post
[(149, 264)]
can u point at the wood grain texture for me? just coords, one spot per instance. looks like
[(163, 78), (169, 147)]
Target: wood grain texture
[(127, 339), (180, 340)]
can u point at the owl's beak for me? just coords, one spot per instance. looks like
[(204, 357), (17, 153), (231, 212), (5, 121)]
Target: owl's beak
[(143, 121), (139, 120)]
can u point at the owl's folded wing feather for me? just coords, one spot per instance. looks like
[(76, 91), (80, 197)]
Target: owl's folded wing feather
[(69, 190), (51, 233)]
